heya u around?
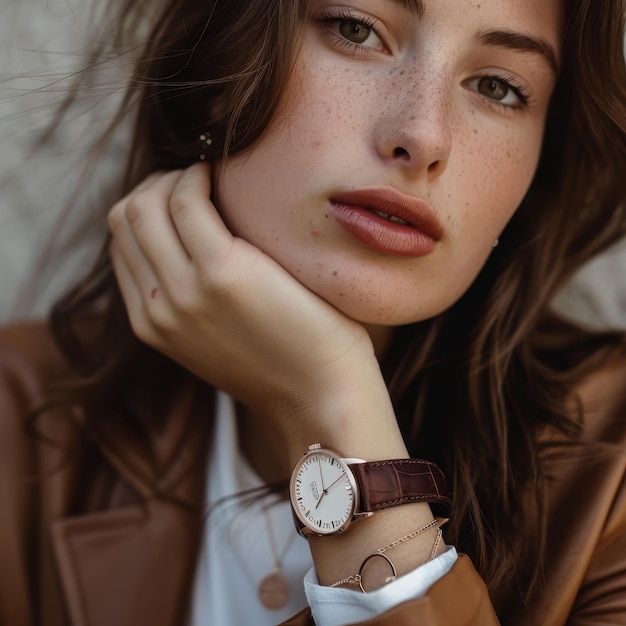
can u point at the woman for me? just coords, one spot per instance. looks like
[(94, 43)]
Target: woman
[(391, 193)]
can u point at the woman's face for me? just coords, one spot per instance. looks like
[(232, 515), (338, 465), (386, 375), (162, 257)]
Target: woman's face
[(408, 136)]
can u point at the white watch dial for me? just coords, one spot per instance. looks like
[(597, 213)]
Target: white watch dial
[(323, 493)]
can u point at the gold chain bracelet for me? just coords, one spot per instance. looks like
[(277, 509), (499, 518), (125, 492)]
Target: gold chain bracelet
[(357, 579)]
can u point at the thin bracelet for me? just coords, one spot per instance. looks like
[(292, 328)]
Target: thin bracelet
[(433, 553), (357, 579), (351, 580), (415, 533)]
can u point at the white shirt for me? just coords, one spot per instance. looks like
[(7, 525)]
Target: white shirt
[(238, 552)]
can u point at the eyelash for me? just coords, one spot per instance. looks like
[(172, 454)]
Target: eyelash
[(345, 15), (520, 91)]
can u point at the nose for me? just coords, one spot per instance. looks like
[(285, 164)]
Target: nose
[(415, 131)]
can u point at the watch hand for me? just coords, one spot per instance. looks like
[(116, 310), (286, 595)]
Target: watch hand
[(329, 488), (333, 484), (319, 463), (320, 499)]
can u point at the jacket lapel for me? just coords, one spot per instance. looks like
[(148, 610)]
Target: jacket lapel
[(129, 566), (134, 561)]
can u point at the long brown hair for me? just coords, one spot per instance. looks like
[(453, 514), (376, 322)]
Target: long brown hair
[(472, 386)]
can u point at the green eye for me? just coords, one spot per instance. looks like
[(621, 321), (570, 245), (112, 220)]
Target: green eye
[(493, 88), (354, 32)]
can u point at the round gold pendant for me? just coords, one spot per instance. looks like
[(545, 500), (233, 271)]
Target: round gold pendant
[(273, 591)]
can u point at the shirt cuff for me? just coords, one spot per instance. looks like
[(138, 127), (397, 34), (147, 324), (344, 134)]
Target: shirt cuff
[(335, 606)]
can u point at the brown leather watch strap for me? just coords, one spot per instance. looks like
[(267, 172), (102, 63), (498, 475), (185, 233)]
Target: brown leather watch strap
[(383, 484)]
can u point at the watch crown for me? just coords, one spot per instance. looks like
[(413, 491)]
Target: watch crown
[(315, 446)]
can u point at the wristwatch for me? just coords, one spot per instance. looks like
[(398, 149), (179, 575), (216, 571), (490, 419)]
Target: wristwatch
[(328, 492)]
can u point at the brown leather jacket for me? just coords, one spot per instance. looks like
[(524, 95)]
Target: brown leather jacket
[(92, 533)]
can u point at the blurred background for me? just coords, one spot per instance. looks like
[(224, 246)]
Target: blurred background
[(53, 218)]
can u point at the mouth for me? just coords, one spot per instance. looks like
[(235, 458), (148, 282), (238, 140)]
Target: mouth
[(387, 216), (395, 207), (388, 221)]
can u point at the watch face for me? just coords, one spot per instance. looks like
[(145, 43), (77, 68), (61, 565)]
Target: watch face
[(323, 492)]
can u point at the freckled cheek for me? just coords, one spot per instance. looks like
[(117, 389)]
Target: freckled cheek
[(521, 168), (335, 102), (512, 172), (489, 188)]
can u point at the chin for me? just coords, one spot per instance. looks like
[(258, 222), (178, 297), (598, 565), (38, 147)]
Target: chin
[(376, 313), (377, 308)]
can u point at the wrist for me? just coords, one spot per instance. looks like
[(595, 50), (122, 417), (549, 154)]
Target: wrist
[(359, 421), (341, 556), (347, 505), (329, 492)]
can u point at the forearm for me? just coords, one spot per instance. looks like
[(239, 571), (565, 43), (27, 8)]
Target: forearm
[(236, 318), (363, 425)]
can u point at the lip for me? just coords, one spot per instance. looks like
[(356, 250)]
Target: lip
[(415, 235)]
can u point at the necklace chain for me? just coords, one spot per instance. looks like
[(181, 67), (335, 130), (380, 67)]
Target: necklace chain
[(278, 558)]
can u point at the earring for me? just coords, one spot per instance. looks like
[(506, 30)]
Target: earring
[(205, 140), (495, 243)]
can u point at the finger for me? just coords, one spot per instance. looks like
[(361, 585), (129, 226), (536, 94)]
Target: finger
[(147, 181), (131, 294), (145, 236), (128, 251), (150, 222), (196, 219), (116, 213)]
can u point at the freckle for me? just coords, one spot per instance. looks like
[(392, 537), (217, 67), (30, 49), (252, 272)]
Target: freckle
[(402, 72), (335, 273), (341, 295), (326, 216)]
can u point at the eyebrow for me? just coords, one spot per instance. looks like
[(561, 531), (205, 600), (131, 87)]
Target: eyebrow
[(524, 43), (502, 38), (413, 6)]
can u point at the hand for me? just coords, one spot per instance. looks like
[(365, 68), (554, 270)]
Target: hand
[(237, 319), (231, 314)]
